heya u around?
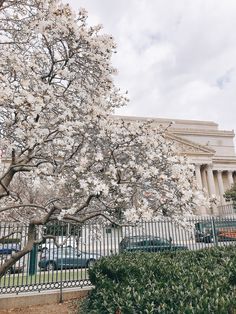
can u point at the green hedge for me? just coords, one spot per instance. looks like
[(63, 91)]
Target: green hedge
[(199, 282)]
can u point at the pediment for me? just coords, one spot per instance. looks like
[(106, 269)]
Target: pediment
[(186, 147)]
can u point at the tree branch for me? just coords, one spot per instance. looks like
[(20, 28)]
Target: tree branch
[(93, 215), (8, 235), (86, 203), (44, 220), (20, 206)]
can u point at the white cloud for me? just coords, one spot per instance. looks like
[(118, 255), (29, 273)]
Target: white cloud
[(176, 58)]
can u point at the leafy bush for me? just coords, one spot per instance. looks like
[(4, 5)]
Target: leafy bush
[(184, 282), (230, 195)]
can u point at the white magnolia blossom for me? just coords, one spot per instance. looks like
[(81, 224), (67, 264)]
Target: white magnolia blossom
[(65, 156), (131, 215)]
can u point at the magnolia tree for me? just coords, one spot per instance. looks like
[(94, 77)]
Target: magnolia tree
[(64, 156)]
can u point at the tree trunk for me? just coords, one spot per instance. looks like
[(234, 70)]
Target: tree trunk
[(15, 257), (1, 3), (6, 182)]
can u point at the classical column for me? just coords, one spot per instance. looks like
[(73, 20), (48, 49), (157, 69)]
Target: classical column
[(230, 178), (198, 176), (204, 180), (221, 185), (210, 179)]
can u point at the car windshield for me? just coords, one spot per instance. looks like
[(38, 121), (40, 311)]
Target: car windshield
[(64, 251), (143, 241)]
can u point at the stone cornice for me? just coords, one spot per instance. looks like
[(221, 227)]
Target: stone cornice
[(190, 129), (165, 120), (224, 160), (205, 132)]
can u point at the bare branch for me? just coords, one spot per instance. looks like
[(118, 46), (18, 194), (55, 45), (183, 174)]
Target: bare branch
[(16, 256), (44, 220), (1, 3), (3, 209), (92, 215), (87, 202), (8, 235)]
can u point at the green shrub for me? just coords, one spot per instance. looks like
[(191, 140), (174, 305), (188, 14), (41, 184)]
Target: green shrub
[(184, 282)]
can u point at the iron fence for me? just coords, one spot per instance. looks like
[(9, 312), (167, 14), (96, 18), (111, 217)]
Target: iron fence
[(227, 209), (63, 259)]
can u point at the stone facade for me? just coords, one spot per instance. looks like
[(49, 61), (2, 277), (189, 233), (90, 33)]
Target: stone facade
[(210, 149)]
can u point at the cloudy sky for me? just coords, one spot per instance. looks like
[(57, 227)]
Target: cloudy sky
[(177, 59)]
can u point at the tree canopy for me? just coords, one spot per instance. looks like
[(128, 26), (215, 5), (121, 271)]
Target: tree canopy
[(64, 156)]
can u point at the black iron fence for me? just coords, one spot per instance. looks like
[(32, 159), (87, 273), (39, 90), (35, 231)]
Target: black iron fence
[(68, 250)]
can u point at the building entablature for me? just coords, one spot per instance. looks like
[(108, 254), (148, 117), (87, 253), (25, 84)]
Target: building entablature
[(215, 133)]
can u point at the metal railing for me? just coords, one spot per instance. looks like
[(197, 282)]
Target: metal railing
[(227, 209), (63, 261)]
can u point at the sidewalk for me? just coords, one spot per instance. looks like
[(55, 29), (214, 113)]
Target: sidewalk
[(23, 300)]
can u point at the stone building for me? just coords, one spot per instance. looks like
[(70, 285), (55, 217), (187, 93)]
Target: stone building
[(210, 149)]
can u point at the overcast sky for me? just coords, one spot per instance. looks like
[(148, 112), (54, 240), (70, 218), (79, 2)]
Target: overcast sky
[(177, 59)]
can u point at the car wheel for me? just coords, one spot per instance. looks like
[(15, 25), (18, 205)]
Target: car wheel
[(90, 263), (209, 240), (51, 266)]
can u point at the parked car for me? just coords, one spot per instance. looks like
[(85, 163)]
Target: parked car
[(9, 248), (149, 244), (66, 257), (18, 267), (208, 231), (49, 244)]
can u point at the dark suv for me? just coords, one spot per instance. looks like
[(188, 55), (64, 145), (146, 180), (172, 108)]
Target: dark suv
[(149, 244)]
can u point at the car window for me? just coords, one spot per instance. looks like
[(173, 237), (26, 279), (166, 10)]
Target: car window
[(160, 242), (149, 242), (142, 243), (70, 251), (132, 240), (146, 242)]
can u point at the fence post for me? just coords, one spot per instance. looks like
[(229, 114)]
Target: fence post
[(61, 279), (33, 260), (214, 233)]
